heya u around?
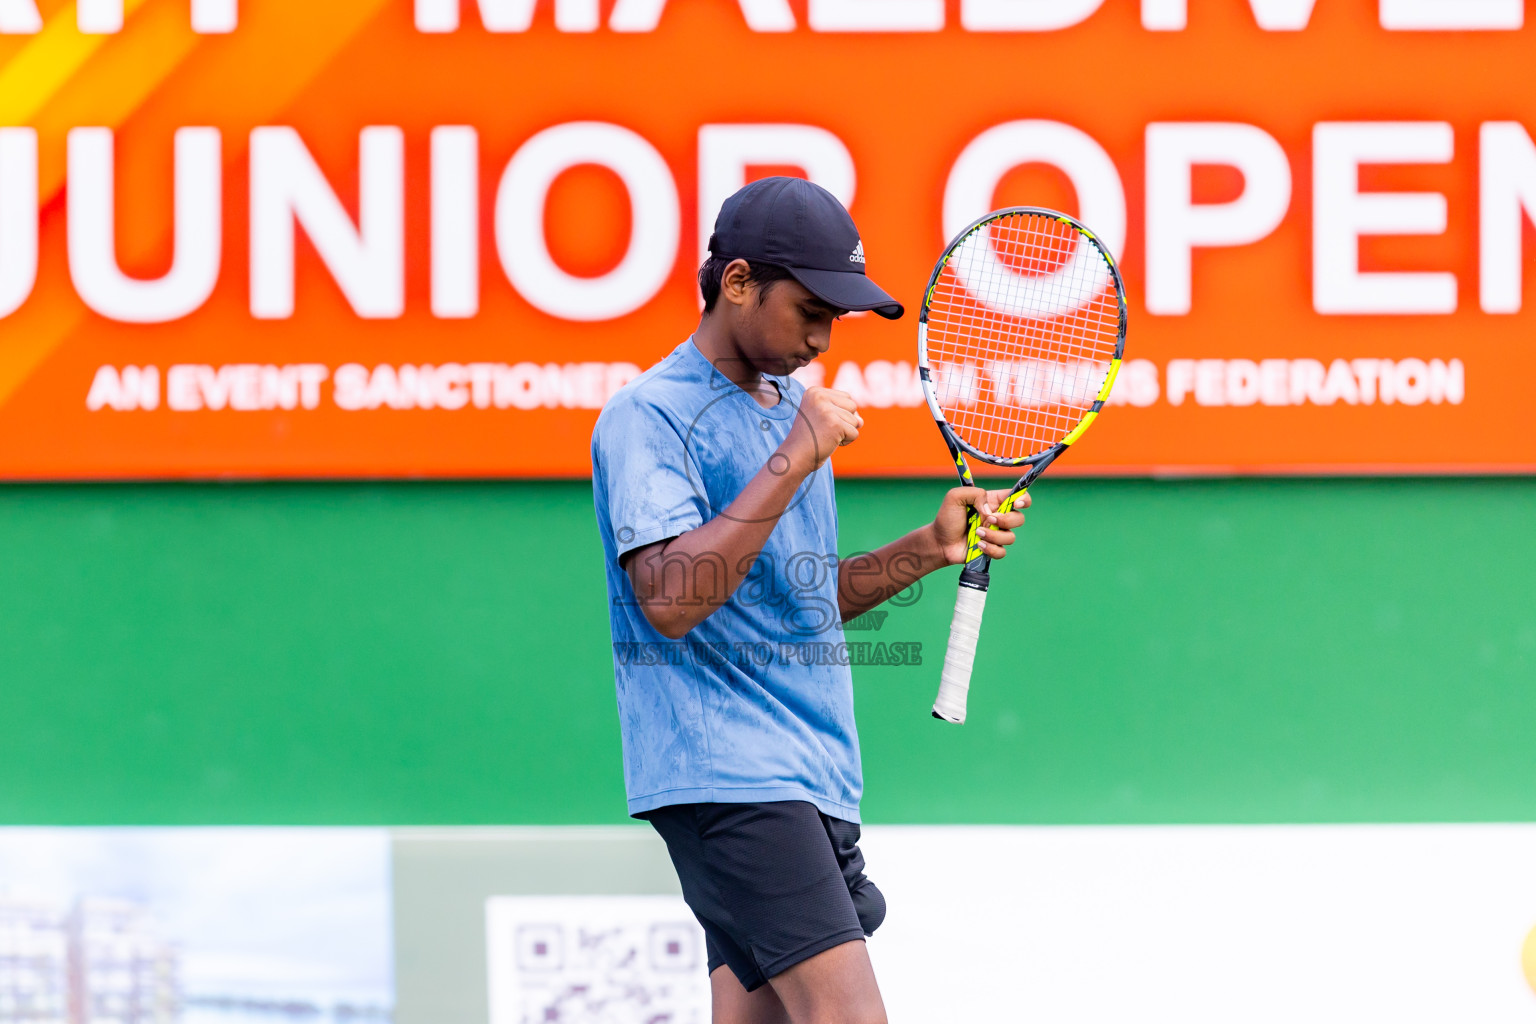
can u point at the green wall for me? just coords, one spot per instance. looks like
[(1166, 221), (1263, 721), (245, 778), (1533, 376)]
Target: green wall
[(1194, 651)]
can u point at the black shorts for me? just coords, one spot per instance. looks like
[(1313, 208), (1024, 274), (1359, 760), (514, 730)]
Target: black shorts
[(773, 884)]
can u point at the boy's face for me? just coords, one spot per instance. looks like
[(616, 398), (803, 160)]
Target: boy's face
[(782, 326)]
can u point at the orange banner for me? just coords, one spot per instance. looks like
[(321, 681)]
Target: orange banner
[(430, 238)]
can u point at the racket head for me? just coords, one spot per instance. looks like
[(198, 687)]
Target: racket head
[(1021, 335)]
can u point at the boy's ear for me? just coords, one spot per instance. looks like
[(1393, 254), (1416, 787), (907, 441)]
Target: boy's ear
[(736, 282)]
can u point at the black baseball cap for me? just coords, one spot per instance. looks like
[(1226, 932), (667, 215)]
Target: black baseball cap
[(800, 226)]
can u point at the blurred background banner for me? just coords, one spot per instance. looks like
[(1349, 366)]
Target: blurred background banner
[(345, 751), (195, 926), (430, 238), (586, 925)]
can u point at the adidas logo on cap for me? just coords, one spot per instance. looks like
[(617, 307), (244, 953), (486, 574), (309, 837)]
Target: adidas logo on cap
[(858, 253)]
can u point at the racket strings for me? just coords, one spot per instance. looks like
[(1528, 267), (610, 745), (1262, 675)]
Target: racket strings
[(1022, 326)]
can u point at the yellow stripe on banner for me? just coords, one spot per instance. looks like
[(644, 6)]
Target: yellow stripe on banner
[(131, 73), (118, 81), (107, 86), (45, 64), (1081, 427)]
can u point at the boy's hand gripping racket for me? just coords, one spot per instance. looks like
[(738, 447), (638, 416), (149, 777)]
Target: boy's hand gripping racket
[(1020, 337)]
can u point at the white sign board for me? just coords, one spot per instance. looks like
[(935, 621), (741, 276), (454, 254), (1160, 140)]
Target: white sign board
[(595, 960)]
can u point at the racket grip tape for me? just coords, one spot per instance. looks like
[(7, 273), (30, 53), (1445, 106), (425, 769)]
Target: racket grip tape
[(964, 631)]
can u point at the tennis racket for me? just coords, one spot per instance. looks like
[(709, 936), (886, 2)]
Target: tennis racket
[(1019, 340)]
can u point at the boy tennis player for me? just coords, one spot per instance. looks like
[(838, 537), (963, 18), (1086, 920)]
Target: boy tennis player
[(715, 502)]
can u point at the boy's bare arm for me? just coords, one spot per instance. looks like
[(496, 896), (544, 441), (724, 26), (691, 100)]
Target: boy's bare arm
[(680, 582), (869, 580)]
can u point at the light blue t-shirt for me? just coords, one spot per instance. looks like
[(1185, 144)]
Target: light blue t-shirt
[(756, 703)]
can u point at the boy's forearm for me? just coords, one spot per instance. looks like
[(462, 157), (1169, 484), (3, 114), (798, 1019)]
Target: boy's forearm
[(869, 580), (715, 557)]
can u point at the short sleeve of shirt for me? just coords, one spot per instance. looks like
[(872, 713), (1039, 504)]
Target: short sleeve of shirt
[(650, 489)]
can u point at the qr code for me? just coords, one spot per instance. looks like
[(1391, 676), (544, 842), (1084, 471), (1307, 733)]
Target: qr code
[(595, 960)]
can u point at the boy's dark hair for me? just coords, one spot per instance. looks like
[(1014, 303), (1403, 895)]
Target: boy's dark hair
[(712, 271)]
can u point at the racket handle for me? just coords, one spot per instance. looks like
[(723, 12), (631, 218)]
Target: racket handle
[(964, 631)]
